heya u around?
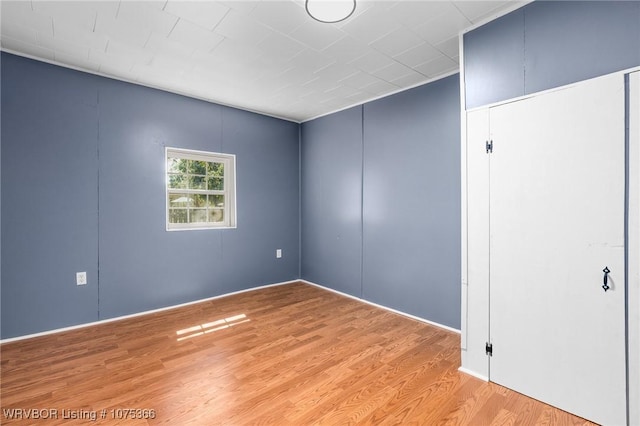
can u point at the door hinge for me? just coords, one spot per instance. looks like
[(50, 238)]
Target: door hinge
[(489, 146), (489, 349)]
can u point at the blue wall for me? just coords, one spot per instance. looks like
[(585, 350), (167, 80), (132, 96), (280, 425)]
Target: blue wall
[(548, 44), (49, 196), (395, 165), (412, 201), (83, 190), (332, 201)]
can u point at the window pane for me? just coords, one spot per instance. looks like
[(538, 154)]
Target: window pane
[(215, 184), (197, 215), (176, 165), (216, 215), (180, 200), (216, 200), (197, 167), (199, 200), (197, 182), (178, 216), (215, 169), (177, 181)]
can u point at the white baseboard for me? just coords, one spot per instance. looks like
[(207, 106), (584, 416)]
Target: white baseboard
[(455, 330), (138, 314), (474, 374)]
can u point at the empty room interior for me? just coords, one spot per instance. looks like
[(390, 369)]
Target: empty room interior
[(297, 212)]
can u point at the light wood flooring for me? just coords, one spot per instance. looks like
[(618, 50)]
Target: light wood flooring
[(291, 354)]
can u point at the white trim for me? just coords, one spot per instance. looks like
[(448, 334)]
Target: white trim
[(633, 264), (200, 228), (386, 308), (195, 153), (463, 202), (473, 373), (553, 89), (493, 17), (139, 314)]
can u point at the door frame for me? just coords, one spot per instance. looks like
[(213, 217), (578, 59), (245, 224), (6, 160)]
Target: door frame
[(633, 245), (474, 322)]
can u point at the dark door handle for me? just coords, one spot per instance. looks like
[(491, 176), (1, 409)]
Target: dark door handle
[(605, 284)]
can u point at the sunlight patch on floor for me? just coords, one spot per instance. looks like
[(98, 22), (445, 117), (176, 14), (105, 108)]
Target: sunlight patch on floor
[(210, 327)]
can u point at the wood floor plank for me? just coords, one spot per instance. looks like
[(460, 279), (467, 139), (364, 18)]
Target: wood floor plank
[(465, 407), (285, 355)]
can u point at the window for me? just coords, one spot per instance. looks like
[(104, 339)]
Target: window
[(200, 190)]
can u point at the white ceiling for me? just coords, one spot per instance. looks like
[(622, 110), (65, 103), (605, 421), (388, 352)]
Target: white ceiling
[(266, 56)]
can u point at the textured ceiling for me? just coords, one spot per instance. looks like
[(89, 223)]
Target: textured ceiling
[(265, 56)]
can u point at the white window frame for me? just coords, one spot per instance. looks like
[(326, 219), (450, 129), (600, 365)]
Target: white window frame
[(229, 191)]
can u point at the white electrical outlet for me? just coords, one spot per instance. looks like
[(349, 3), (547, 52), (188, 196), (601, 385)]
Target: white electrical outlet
[(278, 253), (81, 278)]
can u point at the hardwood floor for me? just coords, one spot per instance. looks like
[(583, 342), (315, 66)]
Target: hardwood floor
[(292, 354)]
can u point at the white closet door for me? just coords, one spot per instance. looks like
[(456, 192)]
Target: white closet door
[(557, 179)]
